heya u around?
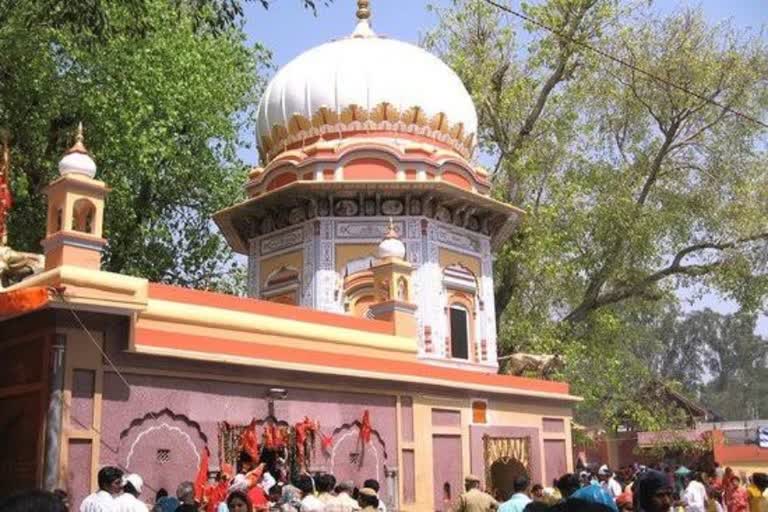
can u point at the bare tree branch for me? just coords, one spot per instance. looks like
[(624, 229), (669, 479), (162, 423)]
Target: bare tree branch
[(676, 267)]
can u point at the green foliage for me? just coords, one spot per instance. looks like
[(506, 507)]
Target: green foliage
[(633, 188), (163, 111), (92, 19), (718, 358), (677, 446)]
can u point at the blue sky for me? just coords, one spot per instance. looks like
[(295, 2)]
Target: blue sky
[(287, 30)]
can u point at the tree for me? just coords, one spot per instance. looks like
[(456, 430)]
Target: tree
[(717, 358), (632, 186), (163, 109), (93, 17)]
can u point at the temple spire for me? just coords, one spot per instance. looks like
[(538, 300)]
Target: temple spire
[(79, 146), (363, 28), (363, 9)]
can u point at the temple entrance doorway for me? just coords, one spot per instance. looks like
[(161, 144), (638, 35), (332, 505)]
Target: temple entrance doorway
[(506, 459), (503, 476)]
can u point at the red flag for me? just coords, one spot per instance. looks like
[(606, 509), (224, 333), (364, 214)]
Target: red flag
[(6, 198), (201, 482), (365, 427), (249, 442), (326, 441)]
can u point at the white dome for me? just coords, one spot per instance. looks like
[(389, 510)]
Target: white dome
[(391, 248), (76, 162), (367, 72)]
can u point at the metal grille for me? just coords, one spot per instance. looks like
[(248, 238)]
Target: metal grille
[(163, 456)]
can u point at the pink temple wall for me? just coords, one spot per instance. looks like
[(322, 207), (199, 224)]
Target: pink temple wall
[(409, 476), (406, 413), (78, 474), (555, 462), (445, 418), (132, 437), (81, 411), (446, 467)]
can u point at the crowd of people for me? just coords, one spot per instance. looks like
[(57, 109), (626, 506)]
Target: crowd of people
[(636, 488), (251, 490)]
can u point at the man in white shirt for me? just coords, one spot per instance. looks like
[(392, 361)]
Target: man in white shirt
[(344, 498), (608, 482), (129, 501), (309, 502), (110, 485), (695, 496)]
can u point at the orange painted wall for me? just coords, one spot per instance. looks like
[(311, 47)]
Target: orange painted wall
[(456, 179), (281, 181), (369, 169)]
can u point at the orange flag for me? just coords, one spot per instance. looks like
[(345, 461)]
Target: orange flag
[(202, 475), (249, 442), (22, 301)]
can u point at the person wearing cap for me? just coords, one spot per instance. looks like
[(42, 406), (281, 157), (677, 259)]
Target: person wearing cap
[(608, 482), (475, 500), (344, 501), (129, 500), (110, 485), (368, 500), (372, 483)]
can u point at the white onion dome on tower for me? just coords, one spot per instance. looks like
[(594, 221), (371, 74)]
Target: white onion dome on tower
[(77, 159), (369, 83), (391, 246)]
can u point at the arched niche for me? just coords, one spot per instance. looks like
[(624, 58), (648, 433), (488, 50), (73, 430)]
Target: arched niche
[(83, 216), (359, 293), (282, 285)]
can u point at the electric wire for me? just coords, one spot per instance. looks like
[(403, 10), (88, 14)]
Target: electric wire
[(623, 62)]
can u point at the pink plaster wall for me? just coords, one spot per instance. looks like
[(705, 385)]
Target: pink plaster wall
[(78, 475), (406, 414), (409, 476), (443, 418), (132, 436), (446, 467), (81, 412), (555, 463), (553, 425)]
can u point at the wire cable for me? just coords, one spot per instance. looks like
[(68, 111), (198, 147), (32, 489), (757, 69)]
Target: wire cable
[(622, 62)]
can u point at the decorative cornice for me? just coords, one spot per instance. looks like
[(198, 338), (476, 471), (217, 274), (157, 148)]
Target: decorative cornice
[(79, 182), (384, 117), (73, 239), (393, 305)]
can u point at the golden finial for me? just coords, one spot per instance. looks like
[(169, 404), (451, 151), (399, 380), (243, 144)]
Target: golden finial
[(79, 146), (363, 9), (391, 232)]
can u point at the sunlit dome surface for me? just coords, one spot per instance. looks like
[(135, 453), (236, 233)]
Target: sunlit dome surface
[(367, 79)]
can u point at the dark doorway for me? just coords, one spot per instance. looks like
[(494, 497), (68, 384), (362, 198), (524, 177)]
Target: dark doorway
[(503, 475)]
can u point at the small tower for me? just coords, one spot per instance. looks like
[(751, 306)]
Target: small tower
[(75, 211), (392, 285)]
